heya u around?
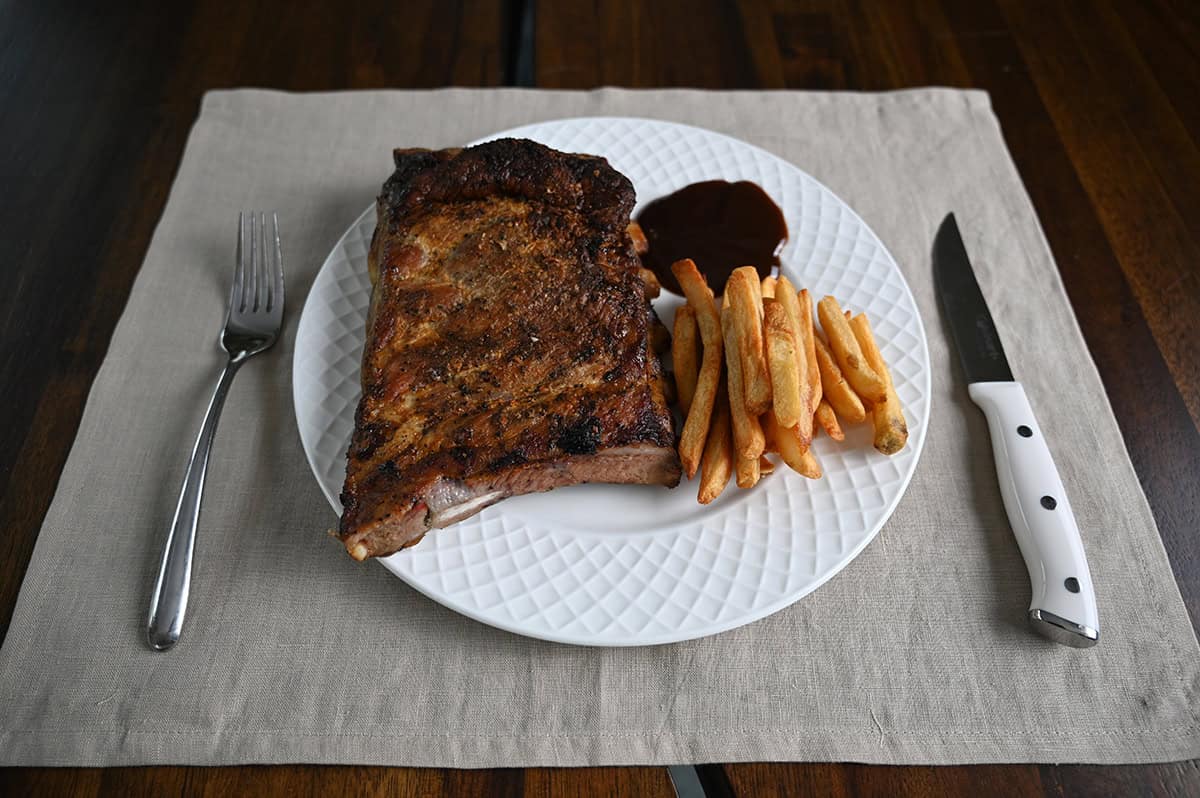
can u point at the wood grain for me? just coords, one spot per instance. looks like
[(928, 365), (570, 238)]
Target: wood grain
[(1145, 210), (1097, 101)]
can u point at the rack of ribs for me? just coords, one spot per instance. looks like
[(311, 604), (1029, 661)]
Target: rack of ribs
[(507, 344)]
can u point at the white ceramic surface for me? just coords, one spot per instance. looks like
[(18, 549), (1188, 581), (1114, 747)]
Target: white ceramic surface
[(628, 565)]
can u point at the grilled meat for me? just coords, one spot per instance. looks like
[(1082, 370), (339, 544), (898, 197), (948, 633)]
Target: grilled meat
[(507, 342)]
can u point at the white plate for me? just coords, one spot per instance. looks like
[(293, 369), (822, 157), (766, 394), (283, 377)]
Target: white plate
[(636, 565)]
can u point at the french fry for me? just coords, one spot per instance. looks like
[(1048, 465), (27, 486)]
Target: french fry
[(748, 472), (695, 428), (835, 389), (829, 422), (743, 303), (848, 354), (650, 283), (640, 245), (759, 390), (798, 458), (748, 439), (686, 356), (799, 307), (765, 466), (891, 430), (717, 465), (768, 287), (755, 285), (783, 363), (774, 433), (810, 335), (809, 467), (769, 444)]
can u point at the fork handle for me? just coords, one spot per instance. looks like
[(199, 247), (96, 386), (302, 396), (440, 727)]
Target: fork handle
[(168, 604)]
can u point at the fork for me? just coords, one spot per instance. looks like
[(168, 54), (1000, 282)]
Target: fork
[(251, 326)]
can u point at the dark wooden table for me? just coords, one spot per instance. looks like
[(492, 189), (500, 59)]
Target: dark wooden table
[(1098, 102)]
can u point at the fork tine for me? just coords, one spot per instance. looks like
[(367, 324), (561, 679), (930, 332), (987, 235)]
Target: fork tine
[(263, 272), (252, 299), (268, 270), (276, 296), (236, 295)]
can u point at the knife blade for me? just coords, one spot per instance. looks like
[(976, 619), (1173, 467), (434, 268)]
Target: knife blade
[(1063, 605)]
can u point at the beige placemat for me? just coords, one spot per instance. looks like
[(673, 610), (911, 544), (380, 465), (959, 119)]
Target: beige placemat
[(916, 653)]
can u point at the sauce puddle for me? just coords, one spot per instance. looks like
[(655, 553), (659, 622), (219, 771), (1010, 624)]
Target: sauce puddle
[(719, 225)]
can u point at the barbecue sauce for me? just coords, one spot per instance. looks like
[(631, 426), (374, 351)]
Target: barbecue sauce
[(719, 225)]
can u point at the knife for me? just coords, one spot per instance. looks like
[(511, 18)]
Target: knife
[(1063, 606)]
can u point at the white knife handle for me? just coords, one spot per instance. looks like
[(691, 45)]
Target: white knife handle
[(1063, 606)]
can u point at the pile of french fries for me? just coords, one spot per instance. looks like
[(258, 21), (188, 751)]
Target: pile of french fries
[(756, 375)]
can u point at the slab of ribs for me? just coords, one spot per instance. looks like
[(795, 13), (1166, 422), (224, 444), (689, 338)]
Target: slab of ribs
[(507, 344)]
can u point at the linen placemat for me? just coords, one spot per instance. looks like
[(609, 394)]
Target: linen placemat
[(916, 653)]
